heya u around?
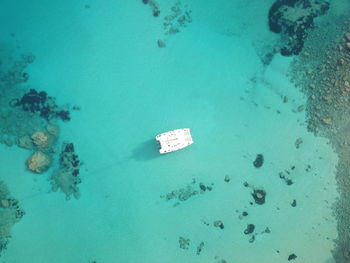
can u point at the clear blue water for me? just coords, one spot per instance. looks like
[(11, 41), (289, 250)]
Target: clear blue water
[(103, 57)]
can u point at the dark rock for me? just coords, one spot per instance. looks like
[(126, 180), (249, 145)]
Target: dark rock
[(250, 229), (259, 196), (244, 213), (292, 257), (219, 223), (202, 187), (68, 148), (199, 248), (252, 239), (245, 184), (25, 76), (289, 181), (156, 12), (294, 203), (259, 161)]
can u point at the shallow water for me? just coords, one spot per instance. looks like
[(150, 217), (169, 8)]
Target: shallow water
[(104, 58)]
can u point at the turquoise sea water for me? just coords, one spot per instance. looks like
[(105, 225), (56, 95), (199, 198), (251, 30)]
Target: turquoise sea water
[(103, 56)]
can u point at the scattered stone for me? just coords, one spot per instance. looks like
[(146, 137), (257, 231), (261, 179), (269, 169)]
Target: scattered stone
[(154, 6), (244, 213), (285, 99), (219, 223), (76, 107), (202, 187), (187, 192), (341, 61), (298, 142), (250, 229), (301, 108), (245, 184), (259, 161), (267, 230), (289, 181), (259, 196), (227, 179), (179, 18), (184, 243), (294, 203), (161, 43), (308, 168), (200, 248), (292, 257), (327, 120), (347, 36), (283, 177), (252, 239)]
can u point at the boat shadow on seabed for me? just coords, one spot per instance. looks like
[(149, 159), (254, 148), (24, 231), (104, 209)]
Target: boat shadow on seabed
[(146, 151)]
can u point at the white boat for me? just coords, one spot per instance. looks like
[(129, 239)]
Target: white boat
[(174, 140)]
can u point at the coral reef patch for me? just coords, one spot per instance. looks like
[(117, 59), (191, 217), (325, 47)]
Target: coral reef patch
[(66, 176), (10, 214), (29, 119), (292, 19), (39, 102)]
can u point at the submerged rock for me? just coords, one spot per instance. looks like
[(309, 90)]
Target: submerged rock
[(161, 43), (250, 229), (259, 196), (259, 161), (292, 257), (38, 162), (200, 248), (219, 223), (41, 139), (184, 243)]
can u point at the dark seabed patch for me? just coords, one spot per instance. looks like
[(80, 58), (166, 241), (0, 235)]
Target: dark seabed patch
[(292, 19)]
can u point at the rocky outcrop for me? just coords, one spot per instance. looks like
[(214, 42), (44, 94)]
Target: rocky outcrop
[(38, 162)]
